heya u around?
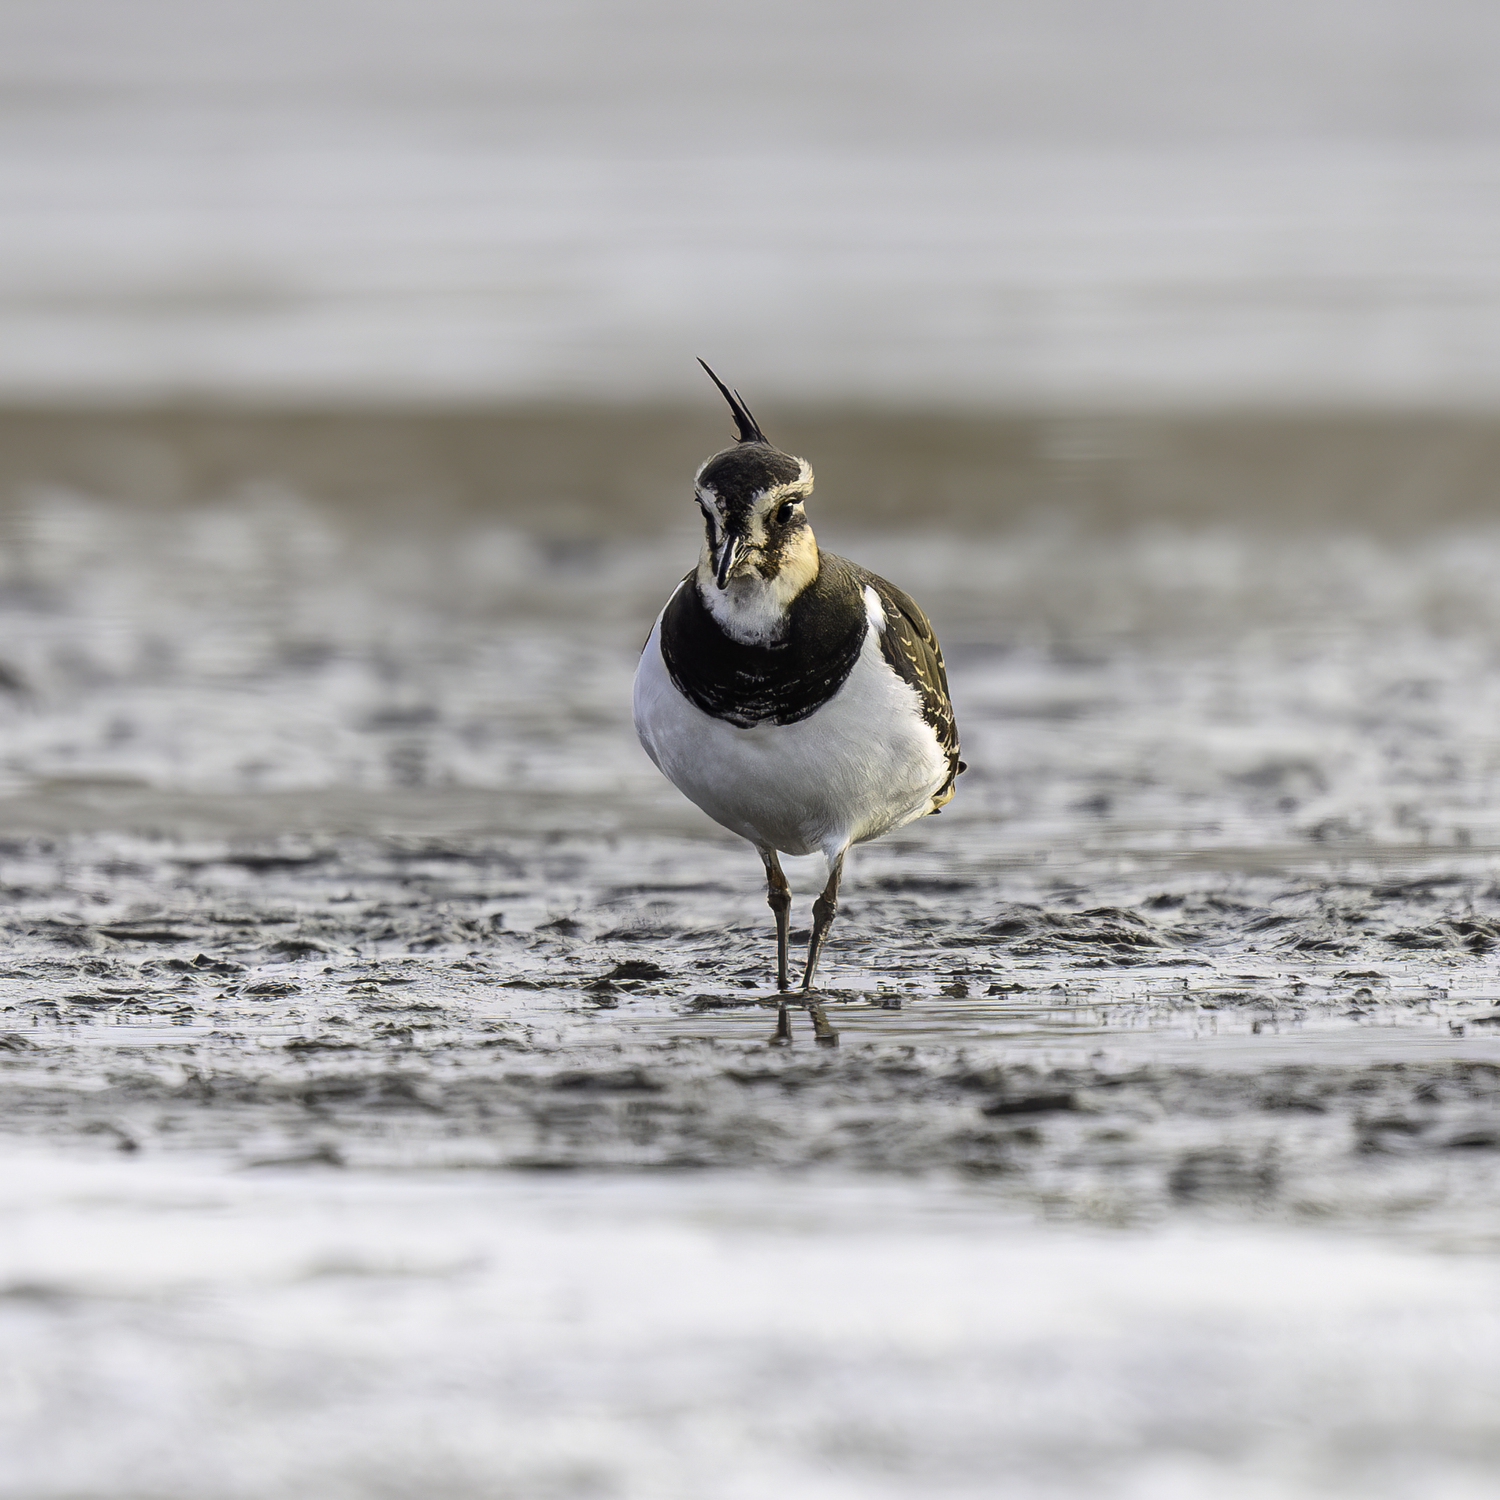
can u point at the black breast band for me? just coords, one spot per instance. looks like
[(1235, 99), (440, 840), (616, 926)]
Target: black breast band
[(780, 683)]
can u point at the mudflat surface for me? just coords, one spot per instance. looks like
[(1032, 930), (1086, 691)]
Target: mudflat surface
[(383, 1046)]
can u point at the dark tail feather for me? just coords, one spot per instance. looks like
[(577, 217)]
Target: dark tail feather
[(747, 428)]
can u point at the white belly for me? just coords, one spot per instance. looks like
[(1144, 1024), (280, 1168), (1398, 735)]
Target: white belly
[(864, 763)]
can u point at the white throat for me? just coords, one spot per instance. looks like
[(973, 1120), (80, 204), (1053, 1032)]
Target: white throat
[(753, 609)]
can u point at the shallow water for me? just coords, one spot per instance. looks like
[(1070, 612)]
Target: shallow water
[(383, 1046)]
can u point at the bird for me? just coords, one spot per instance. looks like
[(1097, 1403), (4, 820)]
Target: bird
[(798, 699)]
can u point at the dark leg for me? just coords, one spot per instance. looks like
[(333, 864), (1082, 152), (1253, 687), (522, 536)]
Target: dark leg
[(824, 909), (779, 899)]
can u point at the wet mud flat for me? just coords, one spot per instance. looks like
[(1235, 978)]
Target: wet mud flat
[(1273, 1042), (368, 1162), (375, 1024), (336, 848)]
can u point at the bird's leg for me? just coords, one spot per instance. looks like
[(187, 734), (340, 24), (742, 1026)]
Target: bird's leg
[(779, 899), (824, 910)]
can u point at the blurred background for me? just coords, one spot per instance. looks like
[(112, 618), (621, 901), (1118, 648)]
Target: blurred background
[(236, 237), (348, 412), (329, 335)]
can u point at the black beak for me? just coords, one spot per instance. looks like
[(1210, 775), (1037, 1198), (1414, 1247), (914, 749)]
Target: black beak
[(729, 554)]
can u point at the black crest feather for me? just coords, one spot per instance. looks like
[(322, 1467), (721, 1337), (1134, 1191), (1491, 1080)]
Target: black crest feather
[(747, 429)]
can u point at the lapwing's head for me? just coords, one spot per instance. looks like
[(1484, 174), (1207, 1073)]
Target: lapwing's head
[(758, 550)]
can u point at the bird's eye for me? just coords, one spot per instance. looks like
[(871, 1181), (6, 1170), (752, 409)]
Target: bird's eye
[(784, 514)]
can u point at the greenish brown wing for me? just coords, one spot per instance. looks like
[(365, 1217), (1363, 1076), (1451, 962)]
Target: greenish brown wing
[(910, 645)]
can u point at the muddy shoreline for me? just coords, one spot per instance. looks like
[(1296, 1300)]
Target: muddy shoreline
[(384, 1080), (1278, 1042), (336, 846)]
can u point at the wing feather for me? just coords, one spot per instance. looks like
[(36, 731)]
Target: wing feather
[(910, 645)]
